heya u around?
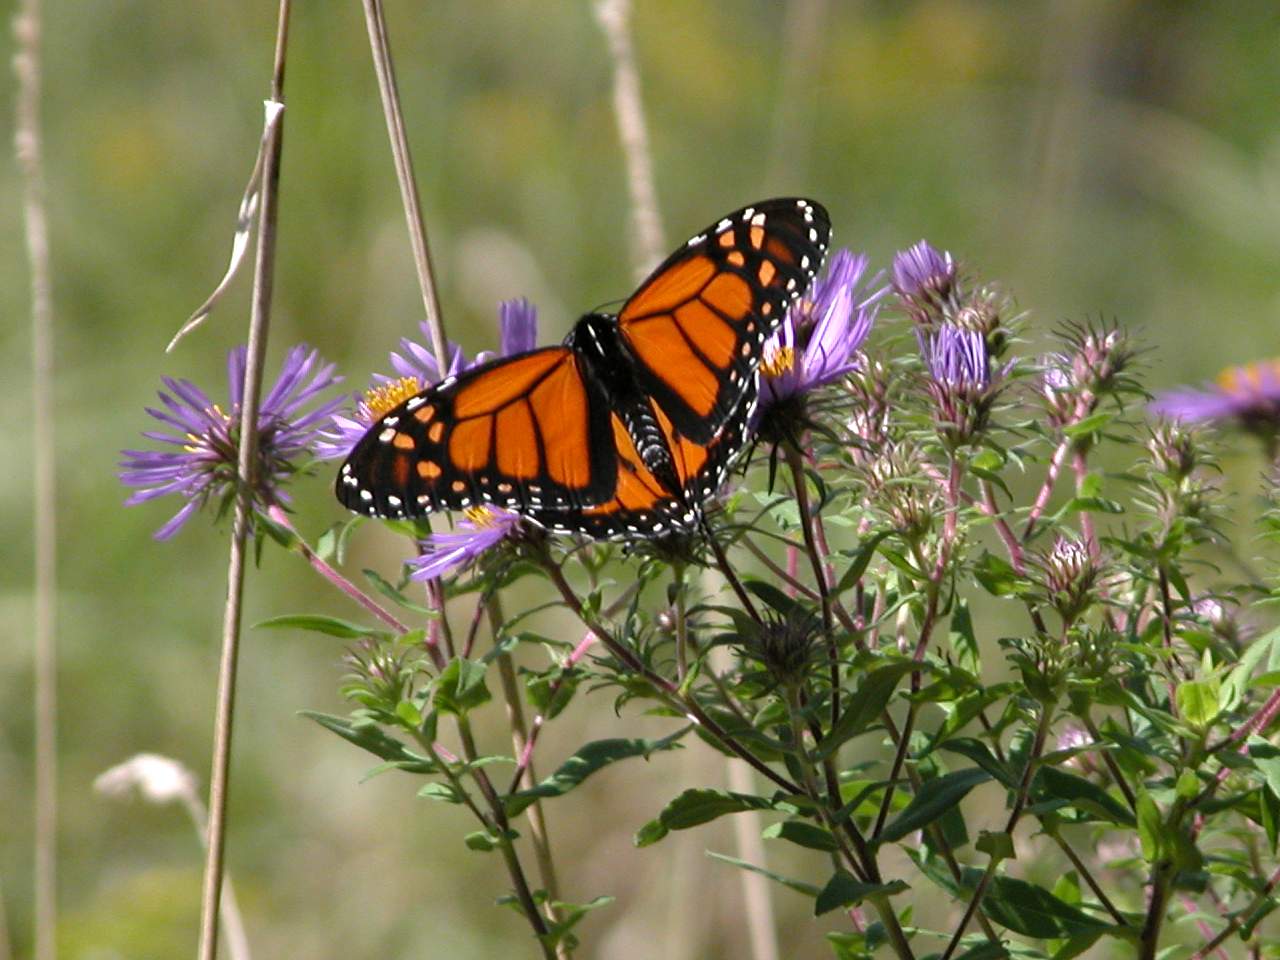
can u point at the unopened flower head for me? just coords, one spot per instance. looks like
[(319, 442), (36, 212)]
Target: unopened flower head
[(414, 368), (960, 381), (1071, 575), (1176, 450), (817, 344), (784, 646), (1099, 356), (204, 436), (868, 420), (897, 486), (924, 280)]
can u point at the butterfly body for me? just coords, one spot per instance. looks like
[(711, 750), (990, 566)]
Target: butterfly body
[(628, 426)]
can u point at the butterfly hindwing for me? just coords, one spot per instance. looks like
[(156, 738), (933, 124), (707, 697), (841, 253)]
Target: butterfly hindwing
[(521, 432), (697, 325)]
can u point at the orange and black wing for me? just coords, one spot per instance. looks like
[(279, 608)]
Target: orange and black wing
[(697, 325), (641, 507), (526, 432)]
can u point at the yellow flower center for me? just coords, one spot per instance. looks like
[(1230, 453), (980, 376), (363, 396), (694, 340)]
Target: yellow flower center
[(385, 397), (481, 516), (780, 361)]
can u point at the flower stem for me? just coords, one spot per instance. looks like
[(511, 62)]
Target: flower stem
[(800, 484), (28, 147), (259, 323), (380, 46), (538, 836), (662, 686), (1019, 804), (1240, 917)]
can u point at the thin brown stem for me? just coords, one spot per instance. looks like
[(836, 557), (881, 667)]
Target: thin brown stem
[(1241, 916), (614, 17), (534, 813), (1083, 870), (503, 829), (726, 570), (800, 485), (259, 324), (28, 146), (380, 46)]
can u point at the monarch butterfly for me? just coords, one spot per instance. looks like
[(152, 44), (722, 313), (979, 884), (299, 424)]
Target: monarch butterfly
[(628, 426)]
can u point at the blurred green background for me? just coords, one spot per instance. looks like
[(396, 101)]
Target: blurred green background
[(1100, 158)]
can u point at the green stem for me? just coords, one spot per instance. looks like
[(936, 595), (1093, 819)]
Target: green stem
[(505, 843), (1019, 803), (664, 688)]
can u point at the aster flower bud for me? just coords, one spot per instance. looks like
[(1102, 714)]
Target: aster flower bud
[(925, 282), (1174, 450), (784, 646), (1071, 575), (1100, 357), (960, 381), (896, 486)]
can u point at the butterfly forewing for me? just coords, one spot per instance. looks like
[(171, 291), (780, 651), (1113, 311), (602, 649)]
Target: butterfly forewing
[(520, 432), (697, 325)]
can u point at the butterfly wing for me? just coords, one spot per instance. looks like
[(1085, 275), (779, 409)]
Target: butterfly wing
[(697, 325), (641, 507), (525, 432)]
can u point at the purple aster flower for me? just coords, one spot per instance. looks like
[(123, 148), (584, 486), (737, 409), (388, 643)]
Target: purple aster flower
[(444, 553), (922, 274), (1248, 394), (831, 327), (203, 465), (416, 369)]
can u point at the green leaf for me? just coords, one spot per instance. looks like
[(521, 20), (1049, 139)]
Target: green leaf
[(802, 833), (395, 594), (846, 890), (799, 886), (867, 704), (1269, 805), (861, 558), (461, 687), (935, 798), (979, 753), (1084, 795), (1088, 425), (997, 576), (441, 791), (1150, 828), (586, 761), (774, 597), (695, 807), (367, 736), (1238, 680), (1198, 702), (997, 846), (962, 638), (570, 914), (331, 626), (1032, 910), (483, 841)]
